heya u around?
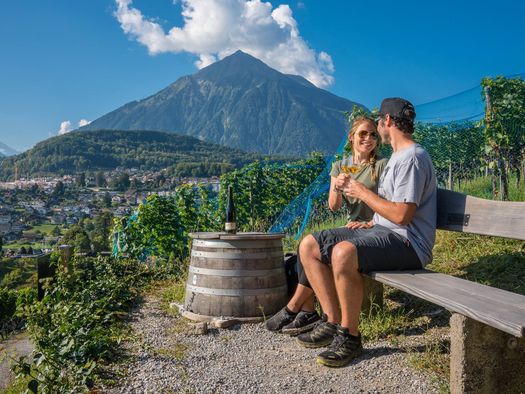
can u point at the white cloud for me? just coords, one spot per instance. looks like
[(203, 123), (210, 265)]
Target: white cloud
[(83, 122), (65, 127), (214, 29)]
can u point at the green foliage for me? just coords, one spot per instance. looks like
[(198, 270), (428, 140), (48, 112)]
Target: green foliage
[(77, 323), (160, 227), (504, 127), (155, 230), (262, 190), (7, 304), (17, 273), (78, 238), (100, 179), (455, 147), (121, 182), (81, 179)]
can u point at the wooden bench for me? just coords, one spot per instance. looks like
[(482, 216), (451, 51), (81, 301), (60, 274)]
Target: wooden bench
[(487, 326)]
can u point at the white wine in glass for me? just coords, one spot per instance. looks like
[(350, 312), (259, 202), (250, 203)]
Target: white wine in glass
[(351, 170)]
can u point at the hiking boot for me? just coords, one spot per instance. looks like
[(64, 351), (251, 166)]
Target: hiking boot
[(303, 322), (322, 335), (280, 319), (343, 349)]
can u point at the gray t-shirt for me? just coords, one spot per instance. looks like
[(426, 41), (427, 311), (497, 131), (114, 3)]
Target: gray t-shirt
[(409, 177)]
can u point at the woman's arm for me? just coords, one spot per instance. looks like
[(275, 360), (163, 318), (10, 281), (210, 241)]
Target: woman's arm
[(335, 199)]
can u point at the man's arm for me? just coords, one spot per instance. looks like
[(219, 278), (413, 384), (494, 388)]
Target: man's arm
[(397, 212)]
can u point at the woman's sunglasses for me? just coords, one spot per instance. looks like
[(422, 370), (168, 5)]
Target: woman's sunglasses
[(363, 133)]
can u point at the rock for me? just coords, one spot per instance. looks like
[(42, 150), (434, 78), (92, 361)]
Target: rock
[(224, 323), (198, 329)]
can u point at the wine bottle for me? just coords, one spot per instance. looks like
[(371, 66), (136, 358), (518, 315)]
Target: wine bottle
[(230, 226)]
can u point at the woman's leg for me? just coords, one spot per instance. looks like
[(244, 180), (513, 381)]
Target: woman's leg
[(303, 297), (302, 300)]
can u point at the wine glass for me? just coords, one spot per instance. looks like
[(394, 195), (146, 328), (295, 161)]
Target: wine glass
[(351, 169)]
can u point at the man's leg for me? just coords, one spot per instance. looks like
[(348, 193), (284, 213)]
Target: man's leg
[(346, 345), (349, 284), (320, 278)]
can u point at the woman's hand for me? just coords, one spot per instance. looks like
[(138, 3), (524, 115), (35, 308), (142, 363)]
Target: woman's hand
[(356, 225), (341, 181)]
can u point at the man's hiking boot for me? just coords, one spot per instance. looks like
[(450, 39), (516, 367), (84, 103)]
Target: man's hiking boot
[(280, 319), (343, 349), (321, 335), (303, 322)]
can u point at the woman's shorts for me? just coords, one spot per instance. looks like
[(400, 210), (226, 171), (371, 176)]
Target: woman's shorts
[(378, 248)]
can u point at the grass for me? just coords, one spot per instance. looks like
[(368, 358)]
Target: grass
[(17, 273), (493, 261), (18, 245), (482, 187), (434, 358), (46, 229), (17, 386)]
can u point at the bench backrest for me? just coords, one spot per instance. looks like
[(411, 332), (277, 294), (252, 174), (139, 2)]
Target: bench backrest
[(460, 212)]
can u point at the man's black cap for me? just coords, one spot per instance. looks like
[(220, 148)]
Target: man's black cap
[(398, 107)]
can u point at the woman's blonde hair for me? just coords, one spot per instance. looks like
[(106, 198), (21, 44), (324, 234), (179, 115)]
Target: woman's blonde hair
[(358, 121)]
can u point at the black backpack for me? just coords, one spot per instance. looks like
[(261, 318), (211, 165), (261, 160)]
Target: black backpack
[(290, 269)]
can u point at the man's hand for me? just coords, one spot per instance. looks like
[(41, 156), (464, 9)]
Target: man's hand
[(355, 189), (356, 225)]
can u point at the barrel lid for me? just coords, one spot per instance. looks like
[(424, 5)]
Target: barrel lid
[(236, 236)]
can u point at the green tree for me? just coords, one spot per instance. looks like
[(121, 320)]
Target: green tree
[(56, 231), (121, 182), (59, 189), (106, 200), (1, 245), (100, 179), (81, 179), (77, 237)]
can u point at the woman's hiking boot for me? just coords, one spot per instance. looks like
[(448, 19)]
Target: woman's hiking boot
[(322, 335), (303, 322), (280, 319), (343, 349)]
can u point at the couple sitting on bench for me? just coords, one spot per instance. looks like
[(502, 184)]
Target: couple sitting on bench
[(399, 236)]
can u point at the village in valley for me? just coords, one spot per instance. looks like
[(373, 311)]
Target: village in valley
[(36, 213)]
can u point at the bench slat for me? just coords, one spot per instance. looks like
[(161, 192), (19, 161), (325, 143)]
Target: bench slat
[(494, 311), (460, 212), (479, 290)]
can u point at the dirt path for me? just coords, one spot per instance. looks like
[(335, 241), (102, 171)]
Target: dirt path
[(15, 346)]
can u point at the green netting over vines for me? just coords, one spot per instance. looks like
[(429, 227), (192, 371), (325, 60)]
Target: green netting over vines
[(476, 140)]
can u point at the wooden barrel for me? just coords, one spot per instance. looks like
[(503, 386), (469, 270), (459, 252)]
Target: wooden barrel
[(239, 275)]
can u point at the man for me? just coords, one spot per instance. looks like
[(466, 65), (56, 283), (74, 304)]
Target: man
[(400, 236)]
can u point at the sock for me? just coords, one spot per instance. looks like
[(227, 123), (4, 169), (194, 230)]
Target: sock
[(290, 312)]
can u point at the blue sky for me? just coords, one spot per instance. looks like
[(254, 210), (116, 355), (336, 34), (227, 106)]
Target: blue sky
[(63, 60)]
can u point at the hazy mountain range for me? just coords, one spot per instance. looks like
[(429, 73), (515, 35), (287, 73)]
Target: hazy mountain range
[(6, 150), (241, 103)]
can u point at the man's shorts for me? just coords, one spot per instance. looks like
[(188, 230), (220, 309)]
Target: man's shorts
[(378, 248)]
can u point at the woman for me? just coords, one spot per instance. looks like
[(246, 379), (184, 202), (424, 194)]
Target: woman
[(299, 314)]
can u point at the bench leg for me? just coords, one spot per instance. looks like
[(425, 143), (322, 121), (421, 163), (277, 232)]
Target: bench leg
[(373, 295), (484, 359)]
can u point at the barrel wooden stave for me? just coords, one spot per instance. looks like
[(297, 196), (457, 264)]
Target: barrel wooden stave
[(239, 278)]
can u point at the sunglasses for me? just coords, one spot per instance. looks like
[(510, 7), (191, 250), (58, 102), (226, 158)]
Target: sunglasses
[(363, 133)]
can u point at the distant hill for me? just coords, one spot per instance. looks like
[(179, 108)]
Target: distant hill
[(108, 149), (6, 150), (241, 103)]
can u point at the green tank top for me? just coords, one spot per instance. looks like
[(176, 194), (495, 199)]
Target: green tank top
[(358, 210)]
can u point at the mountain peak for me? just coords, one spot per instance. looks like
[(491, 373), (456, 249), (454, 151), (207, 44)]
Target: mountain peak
[(237, 65), (241, 102)]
